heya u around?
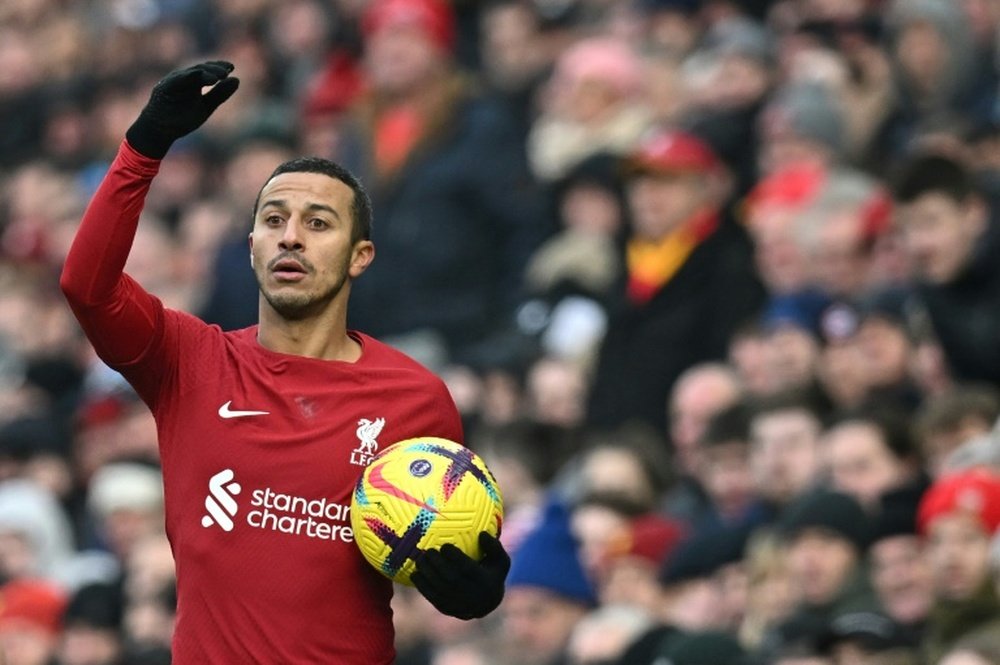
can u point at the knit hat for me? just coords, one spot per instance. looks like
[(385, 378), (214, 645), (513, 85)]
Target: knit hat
[(607, 60), (433, 17), (897, 514), (95, 606), (703, 553), (799, 310), (32, 602), (975, 492), (672, 152), (806, 111), (548, 558), (872, 631), (833, 511), (125, 486), (649, 537)]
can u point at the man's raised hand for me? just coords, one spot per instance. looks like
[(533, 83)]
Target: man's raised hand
[(177, 106)]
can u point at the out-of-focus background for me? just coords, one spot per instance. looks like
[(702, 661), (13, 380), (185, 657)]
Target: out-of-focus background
[(715, 285)]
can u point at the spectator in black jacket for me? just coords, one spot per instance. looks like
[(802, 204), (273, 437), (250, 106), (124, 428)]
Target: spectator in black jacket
[(952, 238)]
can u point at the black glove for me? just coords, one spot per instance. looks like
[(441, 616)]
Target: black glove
[(176, 106), (460, 586)]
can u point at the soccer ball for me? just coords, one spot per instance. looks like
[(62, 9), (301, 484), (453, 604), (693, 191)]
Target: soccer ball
[(420, 494)]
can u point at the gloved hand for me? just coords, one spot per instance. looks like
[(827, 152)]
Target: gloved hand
[(460, 586), (177, 107)]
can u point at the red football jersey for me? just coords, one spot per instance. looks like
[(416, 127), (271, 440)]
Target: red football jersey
[(260, 453)]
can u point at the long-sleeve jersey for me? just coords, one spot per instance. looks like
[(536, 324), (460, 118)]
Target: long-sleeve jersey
[(260, 453)]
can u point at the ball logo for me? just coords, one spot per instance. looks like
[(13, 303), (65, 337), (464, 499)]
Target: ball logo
[(420, 468), (219, 503)]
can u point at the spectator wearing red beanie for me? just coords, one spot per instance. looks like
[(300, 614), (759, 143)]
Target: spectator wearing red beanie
[(958, 517), (449, 178), (30, 621)]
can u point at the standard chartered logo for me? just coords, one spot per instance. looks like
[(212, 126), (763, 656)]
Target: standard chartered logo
[(276, 511), (219, 503)]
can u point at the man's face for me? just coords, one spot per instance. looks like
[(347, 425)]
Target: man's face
[(784, 453), (538, 623), (901, 577), (300, 247), (958, 550), (400, 58), (661, 202), (820, 564), (940, 234), (860, 463)]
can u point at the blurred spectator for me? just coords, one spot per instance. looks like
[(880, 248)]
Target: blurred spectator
[(92, 624), (603, 634), (450, 184), (826, 535), (698, 394), (570, 277), (627, 464), (953, 418), (126, 501), (785, 454), (978, 650), (593, 106), (548, 592), (628, 574), (958, 516), (724, 472), (900, 572), (870, 453), (771, 597), (35, 537), (678, 244), (950, 233), (30, 621)]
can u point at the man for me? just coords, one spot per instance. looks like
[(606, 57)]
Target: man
[(868, 453), (548, 592), (899, 571), (459, 214), (785, 452), (958, 516), (826, 534), (688, 280), (950, 235), (264, 431)]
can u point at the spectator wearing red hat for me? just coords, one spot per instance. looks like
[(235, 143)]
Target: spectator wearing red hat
[(30, 621), (688, 280), (458, 214), (958, 516)]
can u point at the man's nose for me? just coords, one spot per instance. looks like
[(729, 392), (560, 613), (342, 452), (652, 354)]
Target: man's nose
[(291, 239)]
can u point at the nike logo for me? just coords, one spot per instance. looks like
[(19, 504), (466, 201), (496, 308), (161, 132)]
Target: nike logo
[(226, 412)]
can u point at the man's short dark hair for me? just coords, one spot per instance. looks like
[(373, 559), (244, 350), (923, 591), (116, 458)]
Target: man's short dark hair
[(892, 425), (361, 207), (933, 173)]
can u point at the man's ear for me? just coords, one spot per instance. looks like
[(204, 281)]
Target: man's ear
[(362, 254), (250, 242)]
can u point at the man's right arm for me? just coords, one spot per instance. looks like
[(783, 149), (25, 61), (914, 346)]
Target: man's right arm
[(119, 317)]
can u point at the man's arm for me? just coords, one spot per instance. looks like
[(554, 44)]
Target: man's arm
[(118, 316)]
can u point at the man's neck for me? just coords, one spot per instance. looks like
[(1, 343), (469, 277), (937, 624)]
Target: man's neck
[(323, 336)]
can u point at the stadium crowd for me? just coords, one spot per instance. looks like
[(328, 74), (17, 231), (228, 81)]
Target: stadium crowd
[(714, 284)]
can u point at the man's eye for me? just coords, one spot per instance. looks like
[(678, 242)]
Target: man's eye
[(317, 223), (273, 219)]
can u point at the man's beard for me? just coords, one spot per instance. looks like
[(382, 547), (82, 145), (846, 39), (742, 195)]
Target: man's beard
[(299, 305)]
